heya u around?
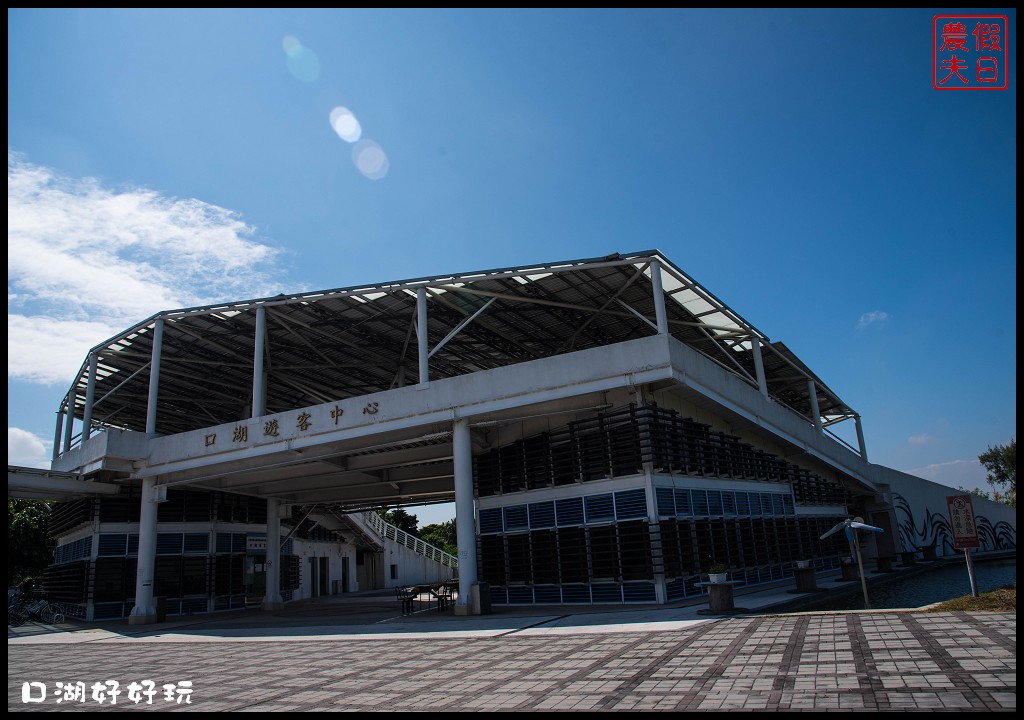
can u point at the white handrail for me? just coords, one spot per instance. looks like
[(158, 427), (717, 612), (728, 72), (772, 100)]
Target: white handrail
[(392, 532)]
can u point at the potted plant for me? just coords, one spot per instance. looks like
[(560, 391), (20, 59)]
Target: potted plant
[(718, 573), (803, 564)]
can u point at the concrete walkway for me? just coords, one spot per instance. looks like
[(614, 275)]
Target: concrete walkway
[(357, 653)]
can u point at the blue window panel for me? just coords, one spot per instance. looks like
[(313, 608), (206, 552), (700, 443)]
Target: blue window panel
[(606, 593), (542, 514), (742, 504), (666, 501), (499, 596), (715, 502), (516, 518), (750, 577), (699, 499), (631, 504), (547, 594), (569, 511), (168, 543), (222, 603), (490, 520), (112, 545), (599, 507), (638, 592), (728, 502), (286, 549), (197, 543), (575, 594), (238, 543), (766, 503), (777, 507), (223, 542), (78, 550), (287, 595), (683, 504), (133, 544), (520, 595), (787, 505)]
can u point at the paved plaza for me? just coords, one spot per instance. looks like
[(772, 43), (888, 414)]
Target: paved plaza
[(643, 659)]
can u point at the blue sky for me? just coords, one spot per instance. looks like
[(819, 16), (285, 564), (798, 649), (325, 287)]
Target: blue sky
[(799, 164)]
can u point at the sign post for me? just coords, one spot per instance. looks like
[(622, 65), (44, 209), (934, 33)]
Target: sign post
[(965, 531)]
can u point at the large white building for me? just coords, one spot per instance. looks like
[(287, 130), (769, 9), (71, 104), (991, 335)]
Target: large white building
[(607, 428)]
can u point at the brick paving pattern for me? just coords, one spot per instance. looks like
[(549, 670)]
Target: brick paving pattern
[(856, 662)]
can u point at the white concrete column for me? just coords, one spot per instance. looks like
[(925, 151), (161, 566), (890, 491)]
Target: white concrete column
[(259, 388), (465, 517), (154, 375), (145, 608), (421, 335), (812, 393), (56, 434), (660, 313), (660, 586), (762, 381), (860, 438), (90, 395), (69, 419), (272, 600)]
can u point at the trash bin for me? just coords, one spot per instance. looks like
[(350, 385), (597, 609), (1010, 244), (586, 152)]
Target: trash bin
[(161, 608)]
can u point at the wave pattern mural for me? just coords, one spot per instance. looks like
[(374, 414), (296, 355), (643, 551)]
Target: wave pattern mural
[(933, 530)]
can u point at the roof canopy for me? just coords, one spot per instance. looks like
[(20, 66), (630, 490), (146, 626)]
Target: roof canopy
[(334, 344)]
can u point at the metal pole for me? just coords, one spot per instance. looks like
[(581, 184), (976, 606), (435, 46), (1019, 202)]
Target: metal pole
[(970, 573), (860, 564), (421, 335), (154, 375), (258, 387), (90, 395), (860, 438), (56, 434), (762, 382), (69, 419), (812, 393), (660, 314)]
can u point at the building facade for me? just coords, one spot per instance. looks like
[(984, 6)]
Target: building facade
[(607, 428)]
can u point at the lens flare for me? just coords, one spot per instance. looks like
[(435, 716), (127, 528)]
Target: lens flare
[(301, 61), (370, 159), (345, 124)]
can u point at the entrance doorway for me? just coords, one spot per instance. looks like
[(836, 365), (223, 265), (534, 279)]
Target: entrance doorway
[(255, 579)]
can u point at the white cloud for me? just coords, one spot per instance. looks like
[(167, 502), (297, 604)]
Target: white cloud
[(922, 439), (871, 317), (85, 262), (26, 449), (968, 474)]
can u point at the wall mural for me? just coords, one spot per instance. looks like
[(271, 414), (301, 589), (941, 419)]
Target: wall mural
[(935, 530)]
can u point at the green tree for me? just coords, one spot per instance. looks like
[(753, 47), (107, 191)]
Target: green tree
[(1001, 463), (441, 535), (29, 547), (401, 519)]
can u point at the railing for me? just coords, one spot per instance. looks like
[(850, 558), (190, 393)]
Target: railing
[(390, 532)]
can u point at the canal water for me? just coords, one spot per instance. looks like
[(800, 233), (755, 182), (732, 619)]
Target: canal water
[(942, 583)]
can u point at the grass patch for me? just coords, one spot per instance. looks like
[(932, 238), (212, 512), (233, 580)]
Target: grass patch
[(1001, 600)]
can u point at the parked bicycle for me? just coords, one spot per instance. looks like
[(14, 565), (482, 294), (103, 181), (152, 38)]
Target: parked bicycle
[(22, 608)]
